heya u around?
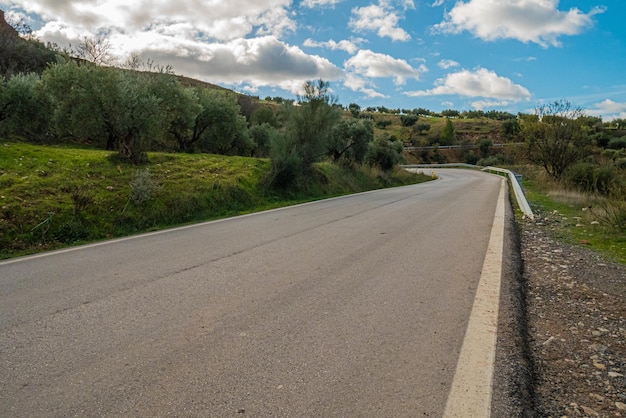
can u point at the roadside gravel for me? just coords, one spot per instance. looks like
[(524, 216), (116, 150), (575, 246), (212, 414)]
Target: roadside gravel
[(576, 319)]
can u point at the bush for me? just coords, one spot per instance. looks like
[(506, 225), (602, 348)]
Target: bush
[(287, 165), (617, 143), (385, 153), (494, 160), (582, 176), (262, 135), (588, 177), (382, 124), (408, 120), (470, 158)]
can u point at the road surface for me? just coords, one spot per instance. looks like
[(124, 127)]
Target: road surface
[(355, 307)]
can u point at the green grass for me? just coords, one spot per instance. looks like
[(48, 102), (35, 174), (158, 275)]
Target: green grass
[(55, 196), (576, 218)]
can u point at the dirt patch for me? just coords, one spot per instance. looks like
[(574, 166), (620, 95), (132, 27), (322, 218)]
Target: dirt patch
[(576, 316)]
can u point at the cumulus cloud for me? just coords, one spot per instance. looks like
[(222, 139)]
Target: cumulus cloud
[(315, 3), (375, 65), (380, 19), (480, 83), (344, 45), (538, 21), (221, 21), (236, 43), (357, 83), (445, 64), (250, 63), (609, 110)]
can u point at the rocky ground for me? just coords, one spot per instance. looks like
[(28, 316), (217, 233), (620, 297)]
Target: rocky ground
[(576, 312)]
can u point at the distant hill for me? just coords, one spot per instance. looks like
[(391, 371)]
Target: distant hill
[(5, 28)]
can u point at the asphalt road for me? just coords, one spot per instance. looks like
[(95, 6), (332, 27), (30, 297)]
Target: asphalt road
[(348, 307)]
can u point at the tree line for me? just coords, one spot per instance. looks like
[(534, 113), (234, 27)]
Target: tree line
[(79, 100), (49, 96)]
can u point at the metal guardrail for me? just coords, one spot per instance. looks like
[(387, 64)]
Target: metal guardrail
[(517, 188)]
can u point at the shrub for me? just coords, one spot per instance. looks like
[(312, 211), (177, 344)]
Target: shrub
[(494, 160), (470, 158), (617, 143), (408, 120), (385, 153), (582, 176)]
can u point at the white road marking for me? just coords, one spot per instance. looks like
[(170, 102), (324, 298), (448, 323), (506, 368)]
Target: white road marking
[(471, 391)]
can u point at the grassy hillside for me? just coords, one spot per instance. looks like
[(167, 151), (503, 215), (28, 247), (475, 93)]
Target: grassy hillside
[(577, 218), (56, 196)]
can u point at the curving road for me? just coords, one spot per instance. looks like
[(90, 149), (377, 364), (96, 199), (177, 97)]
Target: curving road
[(355, 306)]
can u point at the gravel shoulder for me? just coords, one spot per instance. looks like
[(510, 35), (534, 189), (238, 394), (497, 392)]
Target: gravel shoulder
[(576, 326)]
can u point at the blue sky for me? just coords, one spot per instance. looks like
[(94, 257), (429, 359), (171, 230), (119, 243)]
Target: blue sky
[(436, 54)]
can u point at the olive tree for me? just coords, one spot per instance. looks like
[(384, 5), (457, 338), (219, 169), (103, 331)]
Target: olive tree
[(350, 140), (308, 127), (308, 131), (112, 108), (24, 107), (554, 137)]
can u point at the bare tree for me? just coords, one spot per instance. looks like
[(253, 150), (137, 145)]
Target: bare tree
[(96, 50), (133, 62)]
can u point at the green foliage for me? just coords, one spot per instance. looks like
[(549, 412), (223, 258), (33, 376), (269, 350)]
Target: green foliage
[(224, 130), (555, 138), (309, 126), (142, 187), (385, 153), (485, 145), (24, 108), (617, 143), (20, 55), (105, 106), (589, 177), (421, 128), (383, 123), (448, 135), (263, 135), (494, 160), (355, 110), (288, 168), (510, 128), (470, 158), (350, 140), (597, 220), (450, 113), (408, 120), (264, 114), (438, 157)]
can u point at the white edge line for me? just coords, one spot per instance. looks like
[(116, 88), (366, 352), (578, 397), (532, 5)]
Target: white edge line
[(471, 391)]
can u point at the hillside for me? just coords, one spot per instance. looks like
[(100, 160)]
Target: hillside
[(53, 196)]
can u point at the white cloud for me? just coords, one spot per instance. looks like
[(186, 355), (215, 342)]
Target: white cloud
[(209, 20), (262, 61), (437, 3), (486, 104), (480, 83), (609, 110), (537, 21), (371, 64), (234, 43), (315, 3), (344, 45), (356, 83), (380, 19), (445, 64)]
